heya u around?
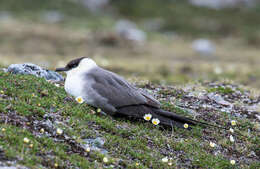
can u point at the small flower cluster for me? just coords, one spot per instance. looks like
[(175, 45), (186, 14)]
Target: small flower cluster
[(27, 141), (231, 138), (148, 117), (167, 160)]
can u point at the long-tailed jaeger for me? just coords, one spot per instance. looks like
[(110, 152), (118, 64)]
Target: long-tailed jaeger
[(111, 93)]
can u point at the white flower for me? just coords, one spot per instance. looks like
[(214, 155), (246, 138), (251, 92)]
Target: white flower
[(155, 121), (147, 117), (231, 138), (26, 140), (98, 110), (79, 99), (233, 122), (105, 159), (212, 144), (170, 163), (31, 145), (165, 159), (231, 130), (185, 125), (59, 131), (57, 85), (233, 162), (87, 149), (3, 129), (42, 130), (56, 165)]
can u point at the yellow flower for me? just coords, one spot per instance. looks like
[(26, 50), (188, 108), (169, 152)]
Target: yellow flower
[(233, 162), (233, 122), (147, 117), (155, 121), (98, 110), (26, 140), (1, 91), (3, 129), (42, 130), (31, 145), (231, 138), (231, 130), (185, 125), (56, 165), (105, 159), (212, 144), (33, 95), (39, 104), (59, 131), (165, 160), (79, 99), (87, 149), (137, 164)]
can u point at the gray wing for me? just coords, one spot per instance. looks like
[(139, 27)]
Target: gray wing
[(111, 91)]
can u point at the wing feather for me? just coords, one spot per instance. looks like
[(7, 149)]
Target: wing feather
[(117, 91)]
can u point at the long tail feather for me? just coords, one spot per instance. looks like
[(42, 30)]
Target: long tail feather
[(166, 118)]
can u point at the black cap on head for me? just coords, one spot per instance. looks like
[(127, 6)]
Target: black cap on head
[(72, 64)]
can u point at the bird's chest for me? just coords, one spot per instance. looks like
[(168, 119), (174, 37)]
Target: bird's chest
[(74, 85)]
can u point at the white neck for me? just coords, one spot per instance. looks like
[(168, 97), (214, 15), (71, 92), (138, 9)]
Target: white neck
[(74, 83), (84, 66)]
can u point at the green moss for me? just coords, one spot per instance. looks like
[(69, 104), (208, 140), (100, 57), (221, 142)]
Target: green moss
[(221, 90), (127, 142)]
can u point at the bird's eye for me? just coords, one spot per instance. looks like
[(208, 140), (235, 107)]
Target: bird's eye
[(73, 66)]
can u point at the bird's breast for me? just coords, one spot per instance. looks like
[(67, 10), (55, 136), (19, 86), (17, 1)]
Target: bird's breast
[(74, 85)]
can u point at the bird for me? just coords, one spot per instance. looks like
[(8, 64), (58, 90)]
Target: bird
[(103, 89)]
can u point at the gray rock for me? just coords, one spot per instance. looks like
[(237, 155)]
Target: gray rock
[(95, 5), (129, 31), (32, 69), (52, 16), (204, 47), (5, 16), (95, 144), (220, 4), (218, 99)]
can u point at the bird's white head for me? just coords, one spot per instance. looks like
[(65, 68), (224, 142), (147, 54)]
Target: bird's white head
[(78, 65)]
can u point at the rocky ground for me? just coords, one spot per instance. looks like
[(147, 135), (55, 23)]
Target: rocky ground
[(42, 127)]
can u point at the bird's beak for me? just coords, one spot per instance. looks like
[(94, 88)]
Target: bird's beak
[(61, 69)]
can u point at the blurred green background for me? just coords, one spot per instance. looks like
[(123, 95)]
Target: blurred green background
[(164, 41)]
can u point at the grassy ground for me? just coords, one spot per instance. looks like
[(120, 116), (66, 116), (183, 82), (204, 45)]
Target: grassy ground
[(30, 104)]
